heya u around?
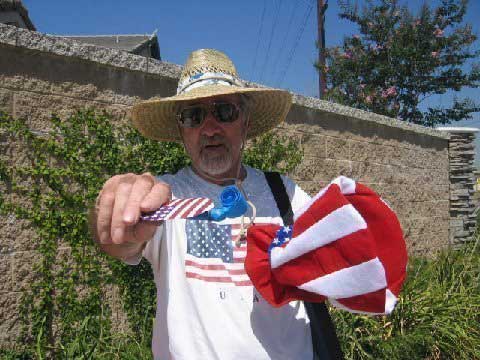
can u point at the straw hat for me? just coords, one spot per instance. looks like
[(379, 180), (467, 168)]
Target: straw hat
[(209, 73)]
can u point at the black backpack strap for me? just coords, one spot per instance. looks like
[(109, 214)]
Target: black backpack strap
[(280, 195), (324, 338)]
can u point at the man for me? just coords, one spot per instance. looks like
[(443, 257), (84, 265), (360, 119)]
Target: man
[(204, 313), (207, 307)]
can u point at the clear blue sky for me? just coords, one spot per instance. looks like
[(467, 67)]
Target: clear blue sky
[(260, 49)]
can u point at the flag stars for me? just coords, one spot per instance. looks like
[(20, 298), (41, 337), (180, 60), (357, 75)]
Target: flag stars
[(209, 240), (283, 236)]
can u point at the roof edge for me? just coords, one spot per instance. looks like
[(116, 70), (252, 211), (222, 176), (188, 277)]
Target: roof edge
[(17, 5), (63, 46), (106, 35)]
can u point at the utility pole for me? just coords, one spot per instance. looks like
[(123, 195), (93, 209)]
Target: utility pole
[(322, 6)]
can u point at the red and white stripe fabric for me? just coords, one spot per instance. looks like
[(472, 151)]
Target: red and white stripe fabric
[(179, 209), (346, 245)]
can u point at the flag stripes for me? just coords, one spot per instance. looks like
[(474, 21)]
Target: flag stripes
[(214, 269), (353, 249), (336, 225), (179, 209), (330, 219), (344, 184), (351, 281), (346, 245)]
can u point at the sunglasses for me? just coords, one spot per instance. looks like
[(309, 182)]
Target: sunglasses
[(193, 116)]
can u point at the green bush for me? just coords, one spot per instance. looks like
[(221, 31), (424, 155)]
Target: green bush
[(65, 311), (437, 317)]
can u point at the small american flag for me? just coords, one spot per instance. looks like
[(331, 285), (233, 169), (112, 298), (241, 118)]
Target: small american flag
[(179, 209), (212, 254)]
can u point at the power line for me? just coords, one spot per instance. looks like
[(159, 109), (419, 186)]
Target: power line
[(262, 18), (290, 21), (295, 45), (274, 25)]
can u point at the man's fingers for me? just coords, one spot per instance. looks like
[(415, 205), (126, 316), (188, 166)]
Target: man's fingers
[(158, 195), (140, 189), (143, 231), (104, 216), (106, 201), (118, 226), (112, 183), (121, 199)]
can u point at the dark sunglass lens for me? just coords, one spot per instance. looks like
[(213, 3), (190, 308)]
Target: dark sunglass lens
[(191, 117), (226, 112)]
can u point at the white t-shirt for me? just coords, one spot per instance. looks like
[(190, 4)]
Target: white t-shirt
[(206, 305)]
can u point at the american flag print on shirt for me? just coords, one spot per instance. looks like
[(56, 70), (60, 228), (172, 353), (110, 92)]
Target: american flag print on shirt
[(212, 254)]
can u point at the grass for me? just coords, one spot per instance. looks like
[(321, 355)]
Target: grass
[(437, 317), (118, 346)]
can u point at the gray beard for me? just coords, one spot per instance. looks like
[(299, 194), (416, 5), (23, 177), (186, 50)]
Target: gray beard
[(215, 165)]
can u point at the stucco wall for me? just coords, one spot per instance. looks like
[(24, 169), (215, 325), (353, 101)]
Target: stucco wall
[(408, 165)]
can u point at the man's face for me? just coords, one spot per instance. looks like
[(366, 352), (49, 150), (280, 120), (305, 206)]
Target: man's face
[(215, 147)]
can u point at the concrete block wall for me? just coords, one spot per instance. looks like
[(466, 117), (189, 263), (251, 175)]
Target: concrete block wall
[(407, 165), (40, 75)]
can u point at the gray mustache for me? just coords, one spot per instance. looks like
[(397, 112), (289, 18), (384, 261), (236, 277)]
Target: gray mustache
[(212, 140)]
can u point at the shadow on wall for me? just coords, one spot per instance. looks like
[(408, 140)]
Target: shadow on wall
[(51, 68)]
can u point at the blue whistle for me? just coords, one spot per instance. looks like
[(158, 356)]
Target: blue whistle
[(233, 204)]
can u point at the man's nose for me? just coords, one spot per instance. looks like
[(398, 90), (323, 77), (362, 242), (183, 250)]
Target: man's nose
[(210, 126)]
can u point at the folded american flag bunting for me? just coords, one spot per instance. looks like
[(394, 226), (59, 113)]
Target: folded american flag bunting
[(346, 245)]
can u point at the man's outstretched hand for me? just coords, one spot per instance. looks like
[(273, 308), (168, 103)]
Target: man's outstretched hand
[(115, 219)]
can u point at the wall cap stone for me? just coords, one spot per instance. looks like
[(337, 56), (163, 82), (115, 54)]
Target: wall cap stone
[(338, 109), (457, 130)]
